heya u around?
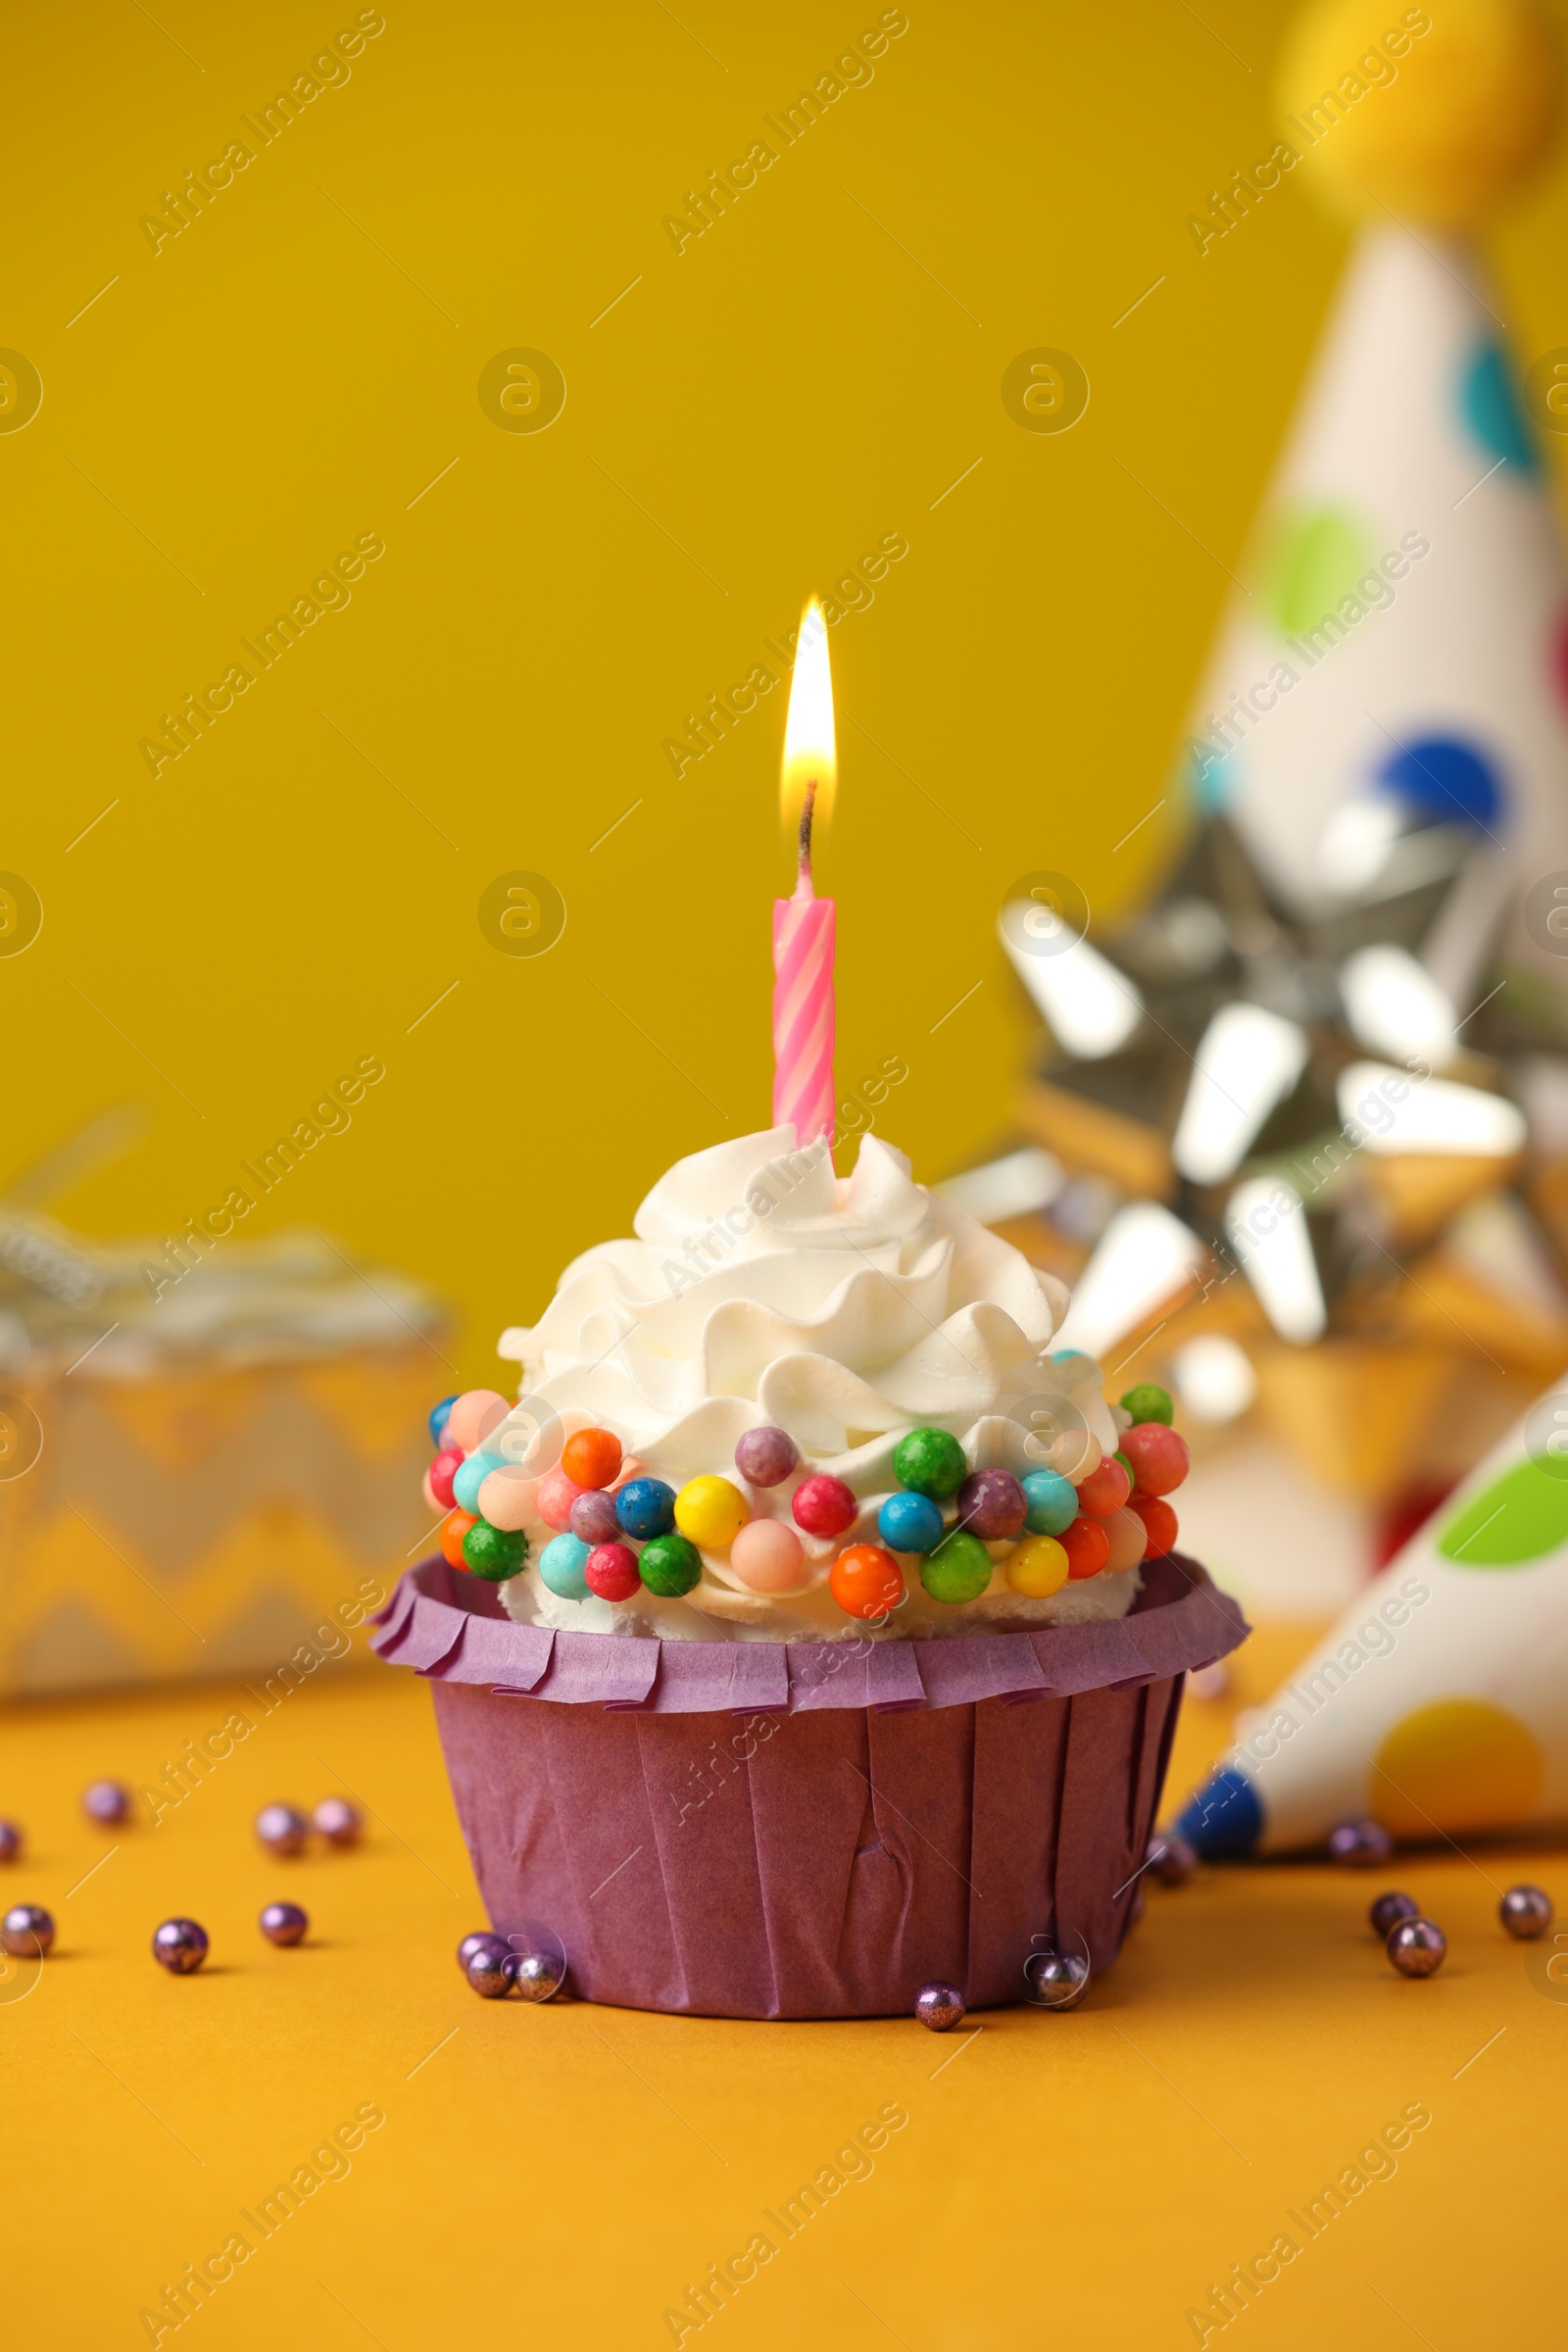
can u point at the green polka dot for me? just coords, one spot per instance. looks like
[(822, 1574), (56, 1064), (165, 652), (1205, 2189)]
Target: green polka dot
[(1318, 556), (1521, 1516)]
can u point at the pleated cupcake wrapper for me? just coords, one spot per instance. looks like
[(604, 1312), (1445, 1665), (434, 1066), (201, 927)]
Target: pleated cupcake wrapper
[(792, 1829)]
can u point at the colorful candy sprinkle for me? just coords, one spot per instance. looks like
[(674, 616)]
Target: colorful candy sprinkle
[(958, 1570), (824, 1505), (453, 1527), (867, 1581), (645, 1506), (442, 1472), (1105, 1489), (1052, 1503), (931, 1463), (1127, 1539), (440, 1414), (467, 1481), (594, 1517), (711, 1511), (766, 1456), (1037, 1567), (1158, 1456), (1148, 1403), (591, 1457), (768, 1556), (473, 1415), (560, 1565), (1160, 1524), (911, 1522), (509, 1497), (670, 1565), (610, 1570), (1088, 1547), (494, 1552), (992, 1504), (557, 1495)]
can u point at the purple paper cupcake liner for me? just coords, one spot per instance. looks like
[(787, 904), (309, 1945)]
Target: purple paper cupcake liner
[(794, 1830)]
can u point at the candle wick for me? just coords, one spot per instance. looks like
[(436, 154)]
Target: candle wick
[(806, 833)]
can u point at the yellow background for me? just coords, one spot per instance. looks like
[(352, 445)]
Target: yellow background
[(797, 384)]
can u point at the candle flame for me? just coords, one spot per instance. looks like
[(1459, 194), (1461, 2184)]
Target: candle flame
[(809, 755)]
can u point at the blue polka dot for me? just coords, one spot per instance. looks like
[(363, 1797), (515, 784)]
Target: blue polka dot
[(1491, 410), (1213, 778), (1443, 780), (1225, 1819)]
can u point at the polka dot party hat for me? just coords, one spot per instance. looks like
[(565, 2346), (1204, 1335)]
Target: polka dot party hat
[(1401, 655), (1439, 1703)]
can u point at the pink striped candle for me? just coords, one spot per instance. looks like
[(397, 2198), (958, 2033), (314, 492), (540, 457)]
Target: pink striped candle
[(804, 925), (804, 928)]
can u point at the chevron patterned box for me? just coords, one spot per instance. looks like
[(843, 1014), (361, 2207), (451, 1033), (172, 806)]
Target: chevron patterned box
[(209, 1478)]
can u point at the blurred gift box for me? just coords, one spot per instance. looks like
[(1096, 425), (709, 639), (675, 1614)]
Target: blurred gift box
[(200, 1469)]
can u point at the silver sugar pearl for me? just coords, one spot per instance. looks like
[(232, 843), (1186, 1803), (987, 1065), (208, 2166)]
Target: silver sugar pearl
[(538, 1976), (283, 1923), (940, 2007), (1388, 1911), (338, 1822), (281, 1830), (539, 1957), (1055, 1980), (106, 1803), (1171, 1859), (27, 1931), (482, 1939), (491, 1974), (179, 1946), (1417, 1947), (11, 1841), (1526, 1912), (1360, 1844)]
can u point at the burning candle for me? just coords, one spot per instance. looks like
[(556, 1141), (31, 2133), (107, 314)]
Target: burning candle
[(804, 925)]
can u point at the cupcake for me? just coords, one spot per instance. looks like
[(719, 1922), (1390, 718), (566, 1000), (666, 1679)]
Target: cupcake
[(799, 1458)]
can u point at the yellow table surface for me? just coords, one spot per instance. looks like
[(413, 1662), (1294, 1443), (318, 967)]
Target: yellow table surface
[(562, 2175)]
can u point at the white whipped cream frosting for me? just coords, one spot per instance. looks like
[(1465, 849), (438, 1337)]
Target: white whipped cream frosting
[(763, 1289)]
